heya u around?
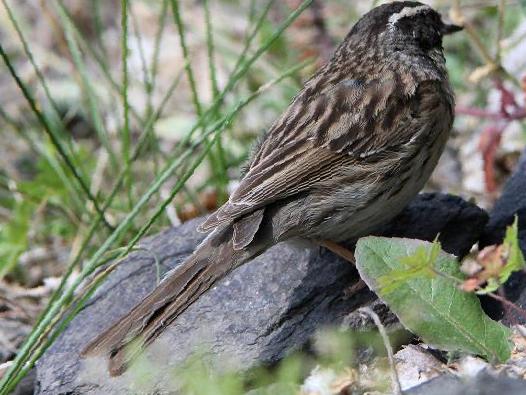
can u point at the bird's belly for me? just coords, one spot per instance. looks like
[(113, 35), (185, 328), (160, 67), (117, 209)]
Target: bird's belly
[(363, 206)]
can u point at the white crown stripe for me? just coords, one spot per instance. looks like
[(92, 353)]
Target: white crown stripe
[(407, 12)]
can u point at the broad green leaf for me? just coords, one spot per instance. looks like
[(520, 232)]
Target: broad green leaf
[(433, 307)]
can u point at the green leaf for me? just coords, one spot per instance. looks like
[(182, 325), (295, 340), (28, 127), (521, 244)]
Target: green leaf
[(515, 261), (431, 306), (419, 264), (511, 256)]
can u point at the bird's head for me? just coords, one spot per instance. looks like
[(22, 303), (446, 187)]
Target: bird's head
[(403, 25)]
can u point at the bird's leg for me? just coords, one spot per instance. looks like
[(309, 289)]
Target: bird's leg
[(348, 255), (339, 250)]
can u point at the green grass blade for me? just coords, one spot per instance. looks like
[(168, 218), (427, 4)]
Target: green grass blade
[(125, 135), (222, 177), (214, 163), (97, 17), (157, 44)]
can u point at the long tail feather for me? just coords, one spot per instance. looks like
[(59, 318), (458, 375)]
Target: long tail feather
[(211, 261)]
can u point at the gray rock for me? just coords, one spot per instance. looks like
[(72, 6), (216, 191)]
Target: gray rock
[(26, 386), (13, 331), (512, 202), (482, 384), (416, 364), (458, 222), (256, 315)]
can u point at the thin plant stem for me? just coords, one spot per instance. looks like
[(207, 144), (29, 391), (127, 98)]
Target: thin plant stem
[(188, 66), (86, 86), (500, 29), (30, 57), (148, 78), (142, 57), (210, 50), (154, 71), (252, 34), (126, 139), (397, 388), (144, 65), (101, 62), (97, 17), (176, 12), (222, 167), (157, 45)]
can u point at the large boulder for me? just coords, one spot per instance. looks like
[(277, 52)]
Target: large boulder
[(511, 203), (256, 315)]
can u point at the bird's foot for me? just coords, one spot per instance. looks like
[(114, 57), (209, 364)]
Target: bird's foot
[(348, 255)]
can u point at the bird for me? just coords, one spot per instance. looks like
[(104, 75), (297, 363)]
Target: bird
[(354, 146)]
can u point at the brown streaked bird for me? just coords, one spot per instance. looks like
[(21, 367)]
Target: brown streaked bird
[(354, 146)]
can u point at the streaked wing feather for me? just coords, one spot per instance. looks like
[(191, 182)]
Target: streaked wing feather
[(278, 180)]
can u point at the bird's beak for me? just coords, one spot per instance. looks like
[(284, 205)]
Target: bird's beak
[(450, 28)]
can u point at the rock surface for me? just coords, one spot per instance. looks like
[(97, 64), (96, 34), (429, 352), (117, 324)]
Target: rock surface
[(512, 203), (256, 315), (457, 221)]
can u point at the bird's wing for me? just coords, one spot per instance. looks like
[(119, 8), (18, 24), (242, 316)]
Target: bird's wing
[(350, 122)]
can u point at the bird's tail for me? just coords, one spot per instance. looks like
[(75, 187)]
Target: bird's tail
[(210, 262)]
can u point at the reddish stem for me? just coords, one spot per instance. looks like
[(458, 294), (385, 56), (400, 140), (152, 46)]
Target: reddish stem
[(488, 144), (519, 114), (509, 304)]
